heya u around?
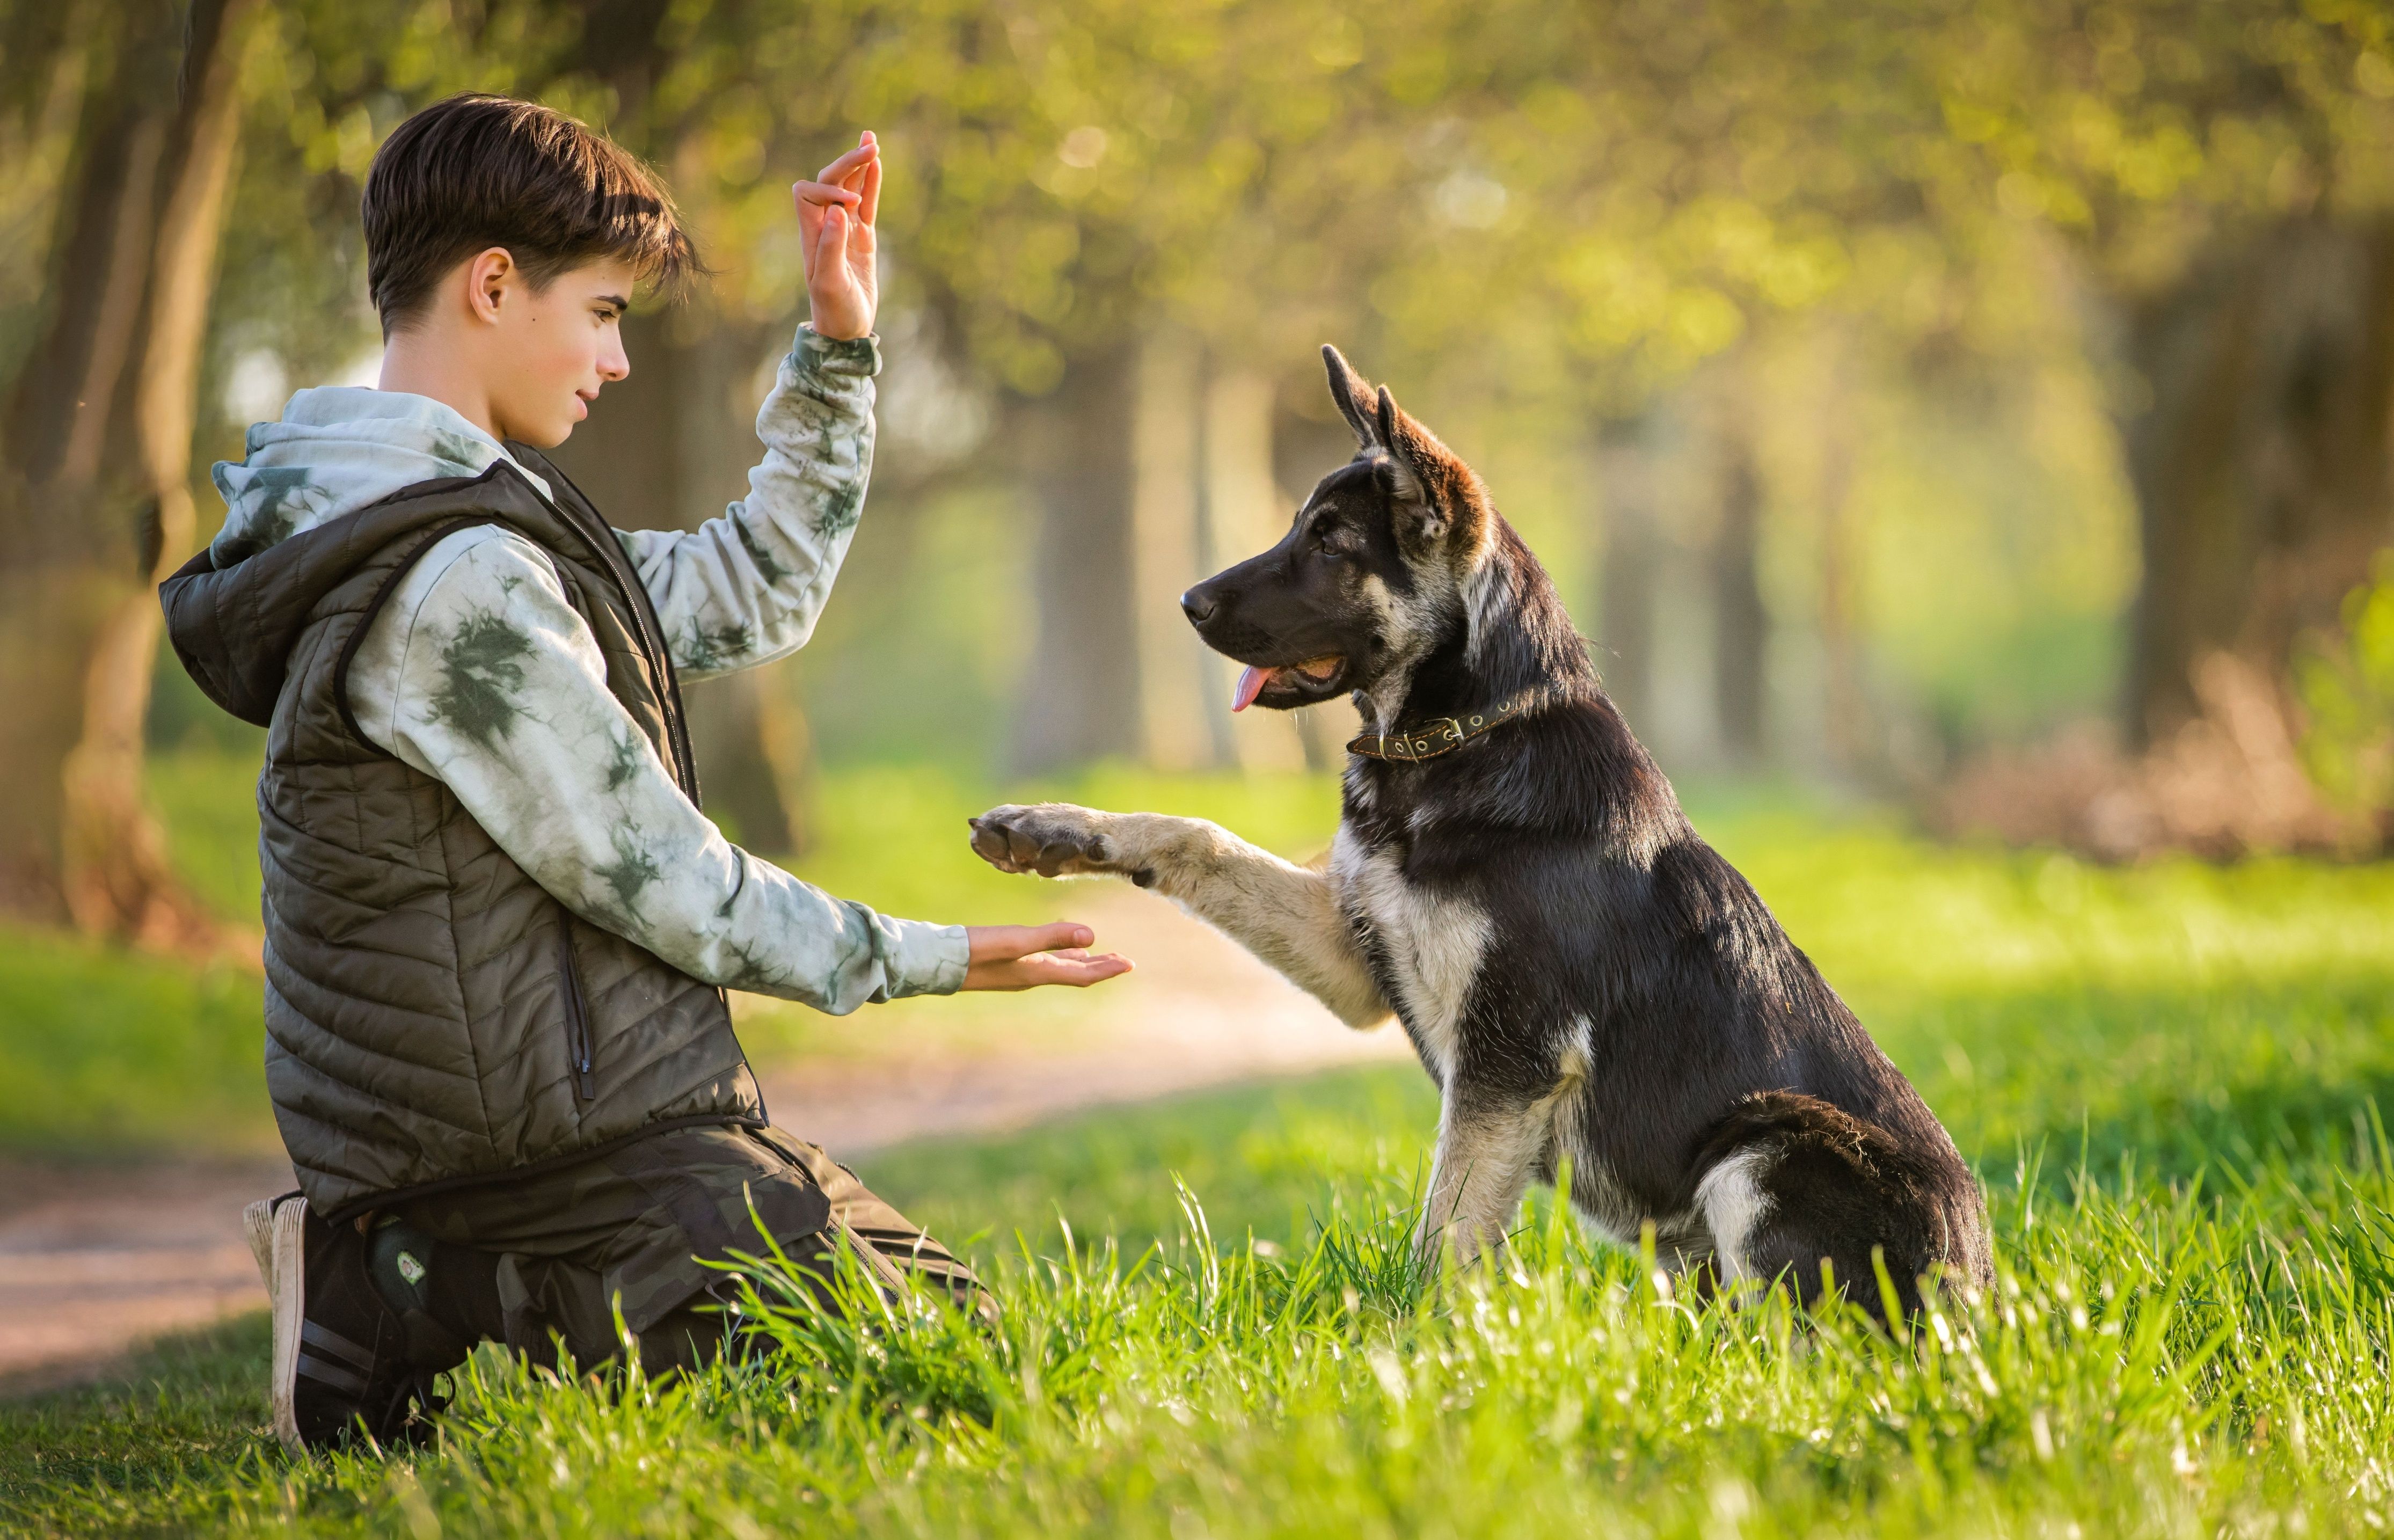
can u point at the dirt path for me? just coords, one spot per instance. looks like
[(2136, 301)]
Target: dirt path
[(93, 1260)]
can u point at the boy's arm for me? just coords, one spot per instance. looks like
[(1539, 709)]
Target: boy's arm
[(479, 673), (746, 588)]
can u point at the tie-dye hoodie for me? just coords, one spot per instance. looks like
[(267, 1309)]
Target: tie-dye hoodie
[(478, 672)]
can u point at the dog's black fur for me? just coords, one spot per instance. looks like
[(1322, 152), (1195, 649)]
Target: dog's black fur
[(1632, 1006)]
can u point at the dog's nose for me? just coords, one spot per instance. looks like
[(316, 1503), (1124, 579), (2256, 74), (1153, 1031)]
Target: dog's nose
[(1197, 605)]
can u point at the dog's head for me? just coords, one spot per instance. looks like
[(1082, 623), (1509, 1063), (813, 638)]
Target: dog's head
[(1370, 577)]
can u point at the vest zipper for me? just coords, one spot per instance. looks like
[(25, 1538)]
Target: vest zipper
[(646, 630), (577, 1010), (648, 635)]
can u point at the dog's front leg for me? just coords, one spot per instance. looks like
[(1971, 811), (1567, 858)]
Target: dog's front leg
[(1284, 914), (1492, 1142)]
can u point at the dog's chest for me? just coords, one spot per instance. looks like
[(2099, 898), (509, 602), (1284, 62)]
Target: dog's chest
[(1426, 945)]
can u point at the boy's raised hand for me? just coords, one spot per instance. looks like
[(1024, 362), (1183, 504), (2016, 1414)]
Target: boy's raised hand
[(1025, 956), (836, 215)]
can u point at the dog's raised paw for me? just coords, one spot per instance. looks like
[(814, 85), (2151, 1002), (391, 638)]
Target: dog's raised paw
[(1054, 839)]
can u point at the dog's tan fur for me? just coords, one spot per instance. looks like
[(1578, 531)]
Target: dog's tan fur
[(1287, 915), (1302, 921)]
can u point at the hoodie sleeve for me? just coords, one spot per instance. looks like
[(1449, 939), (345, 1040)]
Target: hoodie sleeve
[(481, 674), (746, 588)]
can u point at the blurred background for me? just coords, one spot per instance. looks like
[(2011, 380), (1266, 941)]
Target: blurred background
[(1968, 417), (1956, 404)]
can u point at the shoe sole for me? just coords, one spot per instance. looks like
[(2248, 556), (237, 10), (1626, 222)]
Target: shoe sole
[(258, 1227), (284, 1262)]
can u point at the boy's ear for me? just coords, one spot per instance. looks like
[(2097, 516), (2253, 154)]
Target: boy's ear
[(487, 272)]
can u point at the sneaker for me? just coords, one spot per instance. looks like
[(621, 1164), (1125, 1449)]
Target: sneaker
[(258, 1226), (342, 1368)]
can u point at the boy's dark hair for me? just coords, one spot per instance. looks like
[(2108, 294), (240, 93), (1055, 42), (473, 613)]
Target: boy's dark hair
[(480, 171)]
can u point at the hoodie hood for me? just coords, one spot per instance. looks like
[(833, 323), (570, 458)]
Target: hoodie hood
[(343, 474), (338, 449)]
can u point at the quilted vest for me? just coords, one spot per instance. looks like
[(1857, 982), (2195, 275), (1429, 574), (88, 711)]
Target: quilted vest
[(433, 1017)]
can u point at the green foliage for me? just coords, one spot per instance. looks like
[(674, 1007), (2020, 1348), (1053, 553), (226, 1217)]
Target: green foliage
[(1530, 188), (1520, 210), (2346, 687)]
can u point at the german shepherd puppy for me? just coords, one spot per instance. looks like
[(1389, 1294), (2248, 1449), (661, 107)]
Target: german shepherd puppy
[(1582, 977)]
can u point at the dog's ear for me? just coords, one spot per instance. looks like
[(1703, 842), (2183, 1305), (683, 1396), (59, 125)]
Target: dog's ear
[(1351, 391), (1389, 432), (1434, 492)]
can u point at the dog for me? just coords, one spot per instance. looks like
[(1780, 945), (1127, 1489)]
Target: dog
[(1584, 977)]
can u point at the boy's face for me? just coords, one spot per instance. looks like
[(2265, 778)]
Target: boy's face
[(553, 347)]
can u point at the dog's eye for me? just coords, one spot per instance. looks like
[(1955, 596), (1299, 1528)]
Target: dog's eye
[(1334, 543)]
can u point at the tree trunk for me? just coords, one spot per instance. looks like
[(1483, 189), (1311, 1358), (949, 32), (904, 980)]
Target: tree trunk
[(1741, 621), (60, 560), (1850, 739), (112, 852), (754, 760), (2260, 458), (1080, 698), (1244, 513), (1183, 726), (666, 447), (1633, 566)]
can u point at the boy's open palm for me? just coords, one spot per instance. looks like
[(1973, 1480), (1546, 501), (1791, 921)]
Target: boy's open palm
[(836, 215), (1025, 956)]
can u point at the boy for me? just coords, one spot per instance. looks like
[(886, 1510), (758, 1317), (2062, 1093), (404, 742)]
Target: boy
[(498, 929)]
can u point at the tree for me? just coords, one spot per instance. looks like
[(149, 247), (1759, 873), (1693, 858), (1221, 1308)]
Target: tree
[(2227, 172), (132, 255), (113, 859)]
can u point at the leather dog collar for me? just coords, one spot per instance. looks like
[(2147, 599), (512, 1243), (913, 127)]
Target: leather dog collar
[(1428, 740)]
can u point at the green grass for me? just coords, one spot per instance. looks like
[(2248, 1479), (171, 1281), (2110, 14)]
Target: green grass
[(206, 795), (2169, 1077), (2015, 987), (2203, 1355), (112, 1055)]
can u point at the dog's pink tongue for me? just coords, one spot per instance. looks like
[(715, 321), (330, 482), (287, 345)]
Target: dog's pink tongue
[(1251, 684)]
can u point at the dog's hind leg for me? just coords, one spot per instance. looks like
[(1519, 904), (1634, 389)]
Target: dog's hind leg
[(1792, 1184), (1492, 1144), (1733, 1201)]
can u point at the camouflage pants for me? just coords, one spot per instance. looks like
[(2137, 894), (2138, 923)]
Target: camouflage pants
[(553, 1257)]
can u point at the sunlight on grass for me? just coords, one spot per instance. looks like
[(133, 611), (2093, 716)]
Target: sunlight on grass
[(2171, 1077), (2155, 1358)]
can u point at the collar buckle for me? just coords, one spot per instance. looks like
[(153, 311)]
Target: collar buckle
[(1428, 740), (1434, 738)]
